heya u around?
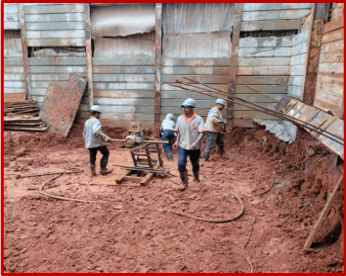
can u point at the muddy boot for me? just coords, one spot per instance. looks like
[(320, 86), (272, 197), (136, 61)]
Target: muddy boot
[(196, 176), (169, 156), (104, 169), (93, 170), (205, 155), (221, 150), (184, 182)]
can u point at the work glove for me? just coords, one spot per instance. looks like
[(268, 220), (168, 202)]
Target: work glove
[(223, 122)]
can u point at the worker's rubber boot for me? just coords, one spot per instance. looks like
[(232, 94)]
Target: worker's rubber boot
[(221, 150), (93, 170), (205, 155), (196, 176), (184, 180), (169, 156), (104, 169)]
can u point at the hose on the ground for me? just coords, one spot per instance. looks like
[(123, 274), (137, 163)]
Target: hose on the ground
[(41, 190)]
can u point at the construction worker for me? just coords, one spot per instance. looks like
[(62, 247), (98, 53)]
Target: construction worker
[(168, 133), (190, 128), (215, 124), (94, 140)]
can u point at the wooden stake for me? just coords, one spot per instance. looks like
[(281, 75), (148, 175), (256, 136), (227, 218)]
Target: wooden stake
[(158, 36), (25, 50), (323, 215), (234, 63), (88, 49)]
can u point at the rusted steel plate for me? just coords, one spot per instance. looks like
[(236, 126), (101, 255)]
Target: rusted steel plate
[(320, 119), (60, 104)]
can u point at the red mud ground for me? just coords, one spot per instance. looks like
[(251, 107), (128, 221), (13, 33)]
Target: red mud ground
[(42, 234)]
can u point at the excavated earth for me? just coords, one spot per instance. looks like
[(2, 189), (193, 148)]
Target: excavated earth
[(132, 230)]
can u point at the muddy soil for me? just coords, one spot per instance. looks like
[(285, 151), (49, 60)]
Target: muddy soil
[(42, 234)]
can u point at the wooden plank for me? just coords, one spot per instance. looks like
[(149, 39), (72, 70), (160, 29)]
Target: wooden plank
[(175, 70), (46, 42), (300, 49), (298, 59), (330, 99), (124, 94), (25, 128), (275, 6), (235, 38), (297, 70), (41, 84), (207, 79), (158, 50), (295, 91), (56, 34), (124, 78), (46, 4), (122, 86), (14, 69), (123, 101), (57, 69), (14, 84), (88, 49), (331, 89), (252, 114), (238, 107), (333, 36), (64, 61), (177, 103), (166, 87), (51, 26), (265, 52), (332, 57), (274, 15), (11, 8), (123, 61), (265, 42), (195, 62), (268, 89), (14, 97), (335, 110), (264, 70), (12, 25), (14, 77), (137, 117), (11, 16), (65, 17), (333, 25), (123, 69), (13, 62), (333, 46), (333, 68), (279, 80), (297, 81), (251, 26), (331, 78), (24, 51), (301, 37), (54, 9), (122, 109), (324, 213), (182, 95), (49, 77), (263, 61), (256, 98)]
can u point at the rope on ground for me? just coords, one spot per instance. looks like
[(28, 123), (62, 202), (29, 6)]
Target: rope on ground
[(41, 190), (253, 221)]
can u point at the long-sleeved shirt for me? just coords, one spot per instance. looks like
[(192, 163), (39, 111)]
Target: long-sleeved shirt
[(167, 124), (91, 128), (213, 120)]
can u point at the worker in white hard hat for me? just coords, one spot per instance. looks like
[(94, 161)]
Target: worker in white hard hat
[(94, 141), (190, 128), (168, 133), (215, 125)]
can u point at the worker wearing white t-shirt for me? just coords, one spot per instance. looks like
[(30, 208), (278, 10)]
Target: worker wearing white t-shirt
[(190, 128)]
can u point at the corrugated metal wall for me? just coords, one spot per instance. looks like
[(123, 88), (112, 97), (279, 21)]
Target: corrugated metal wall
[(297, 71), (124, 69), (196, 44)]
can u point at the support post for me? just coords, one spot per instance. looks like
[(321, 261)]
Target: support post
[(233, 66), (313, 53), (25, 51), (88, 49), (158, 36)]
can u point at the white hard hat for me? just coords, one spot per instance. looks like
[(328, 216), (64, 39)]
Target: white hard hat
[(221, 101), (170, 116), (96, 108), (189, 103)]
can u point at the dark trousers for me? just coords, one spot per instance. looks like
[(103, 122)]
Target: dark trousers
[(168, 135), (93, 152), (194, 158), (214, 138)]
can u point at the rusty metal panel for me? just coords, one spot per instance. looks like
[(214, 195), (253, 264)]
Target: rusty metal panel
[(60, 104)]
